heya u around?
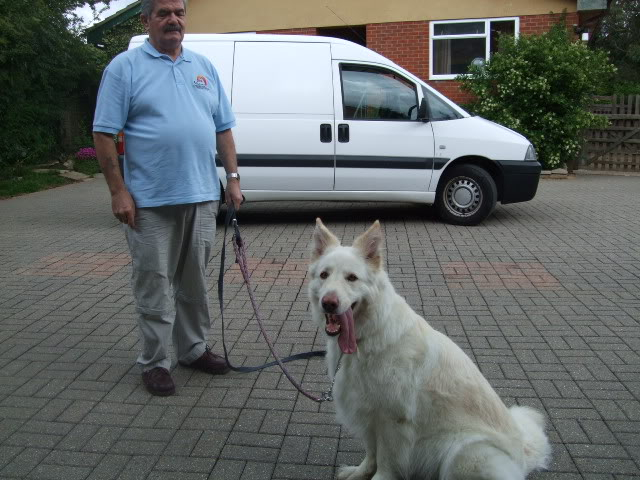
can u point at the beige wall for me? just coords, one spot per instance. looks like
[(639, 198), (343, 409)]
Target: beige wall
[(222, 16)]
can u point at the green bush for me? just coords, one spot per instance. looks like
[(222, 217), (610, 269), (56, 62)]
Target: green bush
[(624, 87), (116, 39), (25, 134), (44, 65), (540, 86)]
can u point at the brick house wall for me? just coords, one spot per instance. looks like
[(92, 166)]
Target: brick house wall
[(536, 24), (407, 44)]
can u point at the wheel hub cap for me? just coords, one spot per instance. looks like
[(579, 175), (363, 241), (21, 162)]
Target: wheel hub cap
[(463, 196)]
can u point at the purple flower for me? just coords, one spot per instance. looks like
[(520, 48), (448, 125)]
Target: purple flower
[(86, 153)]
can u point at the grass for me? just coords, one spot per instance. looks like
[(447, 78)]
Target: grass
[(21, 180), (88, 166), (30, 182)]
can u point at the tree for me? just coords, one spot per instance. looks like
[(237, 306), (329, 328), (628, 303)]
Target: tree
[(540, 86), (116, 40), (44, 63), (619, 34)]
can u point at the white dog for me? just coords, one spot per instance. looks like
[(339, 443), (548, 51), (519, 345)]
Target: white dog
[(418, 402)]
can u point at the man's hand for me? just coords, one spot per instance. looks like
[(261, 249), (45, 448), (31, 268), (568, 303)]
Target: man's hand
[(233, 194), (124, 208), (122, 204)]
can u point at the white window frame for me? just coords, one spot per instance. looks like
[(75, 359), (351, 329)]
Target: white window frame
[(485, 35)]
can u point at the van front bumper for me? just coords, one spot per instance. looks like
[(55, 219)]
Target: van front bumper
[(519, 180)]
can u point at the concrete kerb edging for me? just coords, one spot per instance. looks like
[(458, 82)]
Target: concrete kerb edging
[(607, 172), (562, 173), (556, 174), (71, 174)]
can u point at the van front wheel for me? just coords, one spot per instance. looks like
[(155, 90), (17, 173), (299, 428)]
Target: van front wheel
[(466, 196)]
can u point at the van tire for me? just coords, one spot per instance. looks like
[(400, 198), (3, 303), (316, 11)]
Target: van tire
[(466, 195)]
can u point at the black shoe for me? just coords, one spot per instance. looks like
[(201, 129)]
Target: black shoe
[(210, 363), (159, 382)]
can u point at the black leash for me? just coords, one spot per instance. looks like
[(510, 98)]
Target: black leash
[(239, 247)]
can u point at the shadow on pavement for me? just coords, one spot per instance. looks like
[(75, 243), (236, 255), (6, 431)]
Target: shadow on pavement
[(307, 212)]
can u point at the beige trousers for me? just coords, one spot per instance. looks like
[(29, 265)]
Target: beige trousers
[(170, 249)]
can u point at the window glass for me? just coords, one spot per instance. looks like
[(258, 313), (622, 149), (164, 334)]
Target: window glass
[(501, 27), (465, 28), (455, 56), (466, 43), (377, 94), (438, 109)]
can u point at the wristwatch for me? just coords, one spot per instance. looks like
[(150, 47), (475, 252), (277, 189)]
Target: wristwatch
[(233, 175)]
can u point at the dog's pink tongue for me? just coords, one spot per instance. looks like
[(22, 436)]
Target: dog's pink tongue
[(347, 338)]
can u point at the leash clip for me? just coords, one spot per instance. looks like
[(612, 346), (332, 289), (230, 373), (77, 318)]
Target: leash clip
[(237, 239), (328, 395)]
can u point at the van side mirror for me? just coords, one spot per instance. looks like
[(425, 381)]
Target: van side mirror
[(422, 111)]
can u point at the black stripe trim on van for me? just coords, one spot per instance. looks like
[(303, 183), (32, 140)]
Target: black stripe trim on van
[(404, 163), (438, 163), (249, 160), (342, 161)]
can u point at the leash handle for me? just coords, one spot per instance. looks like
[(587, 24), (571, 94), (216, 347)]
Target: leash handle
[(240, 250)]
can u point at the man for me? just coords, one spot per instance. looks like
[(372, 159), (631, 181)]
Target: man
[(174, 113)]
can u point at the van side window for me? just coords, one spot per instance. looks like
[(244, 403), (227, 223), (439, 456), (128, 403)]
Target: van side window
[(370, 93), (438, 109)]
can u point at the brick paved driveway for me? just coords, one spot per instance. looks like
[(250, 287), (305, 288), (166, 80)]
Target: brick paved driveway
[(545, 296)]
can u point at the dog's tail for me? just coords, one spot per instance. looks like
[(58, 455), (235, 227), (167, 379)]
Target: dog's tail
[(537, 450)]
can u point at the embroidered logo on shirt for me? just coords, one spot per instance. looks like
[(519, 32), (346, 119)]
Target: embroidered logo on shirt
[(201, 82)]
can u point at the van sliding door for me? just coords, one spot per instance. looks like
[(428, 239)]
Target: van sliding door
[(283, 100)]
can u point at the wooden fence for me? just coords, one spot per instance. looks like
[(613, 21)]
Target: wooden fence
[(617, 147)]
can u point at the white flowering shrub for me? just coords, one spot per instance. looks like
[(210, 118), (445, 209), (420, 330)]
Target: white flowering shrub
[(541, 86)]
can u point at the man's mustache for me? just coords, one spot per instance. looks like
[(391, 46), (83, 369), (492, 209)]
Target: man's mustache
[(172, 28)]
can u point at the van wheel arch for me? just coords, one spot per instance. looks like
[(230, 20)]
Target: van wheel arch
[(489, 165), (467, 193)]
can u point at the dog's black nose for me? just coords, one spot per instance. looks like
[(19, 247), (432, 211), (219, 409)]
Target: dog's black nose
[(330, 303)]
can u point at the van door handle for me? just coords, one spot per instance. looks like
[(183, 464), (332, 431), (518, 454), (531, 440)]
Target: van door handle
[(325, 133), (343, 133)]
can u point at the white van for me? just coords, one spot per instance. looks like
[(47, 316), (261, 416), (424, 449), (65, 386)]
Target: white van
[(326, 119)]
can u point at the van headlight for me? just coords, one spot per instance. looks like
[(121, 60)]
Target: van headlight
[(531, 154)]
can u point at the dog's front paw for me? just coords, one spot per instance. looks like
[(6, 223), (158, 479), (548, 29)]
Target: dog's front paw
[(354, 473), (345, 473)]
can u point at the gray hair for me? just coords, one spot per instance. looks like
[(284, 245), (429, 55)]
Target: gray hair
[(146, 7)]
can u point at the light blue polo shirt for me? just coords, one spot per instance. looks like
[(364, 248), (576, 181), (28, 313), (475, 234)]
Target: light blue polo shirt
[(169, 112)]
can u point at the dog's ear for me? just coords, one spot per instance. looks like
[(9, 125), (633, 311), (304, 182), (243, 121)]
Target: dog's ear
[(370, 243), (322, 240)]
